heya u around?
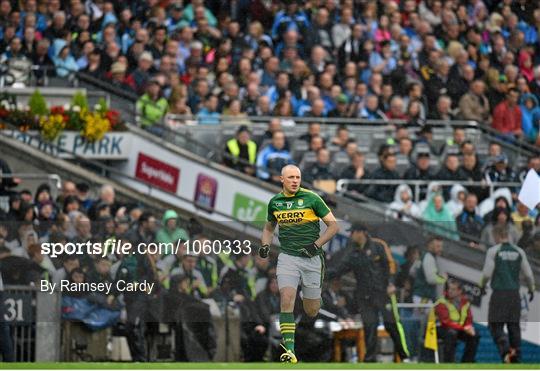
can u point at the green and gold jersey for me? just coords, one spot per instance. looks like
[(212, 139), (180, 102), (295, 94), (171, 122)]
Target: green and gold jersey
[(298, 219)]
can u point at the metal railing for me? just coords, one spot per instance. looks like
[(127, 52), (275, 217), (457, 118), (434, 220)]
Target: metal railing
[(225, 119), (55, 178), (341, 185), (517, 147)]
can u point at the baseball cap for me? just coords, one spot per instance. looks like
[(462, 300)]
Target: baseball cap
[(242, 128)]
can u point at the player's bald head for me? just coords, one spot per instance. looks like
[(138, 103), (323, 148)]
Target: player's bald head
[(286, 170), (291, 178)]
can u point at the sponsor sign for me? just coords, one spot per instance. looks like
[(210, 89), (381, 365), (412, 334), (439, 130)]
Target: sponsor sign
[(249, 209), (205, 192), (157, 173)]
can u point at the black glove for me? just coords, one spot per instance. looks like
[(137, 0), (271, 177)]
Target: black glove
[(531, 296), (310, 250), (264, 250)]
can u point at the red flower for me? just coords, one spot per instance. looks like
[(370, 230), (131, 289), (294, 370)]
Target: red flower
[(113, 117), (57, 110), (3, 112)]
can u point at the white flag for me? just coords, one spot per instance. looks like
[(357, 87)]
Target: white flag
[(530, 190)]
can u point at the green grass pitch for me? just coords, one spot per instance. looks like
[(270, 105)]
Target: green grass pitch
[(258, 366)]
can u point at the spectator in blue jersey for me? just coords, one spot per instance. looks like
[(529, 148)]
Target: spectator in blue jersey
[(530, 116), (371, 110), (278, 91), (208, 115), (272, 158), (468, 221), (175, 21), (499, 171), (65, 63), (290, 18)]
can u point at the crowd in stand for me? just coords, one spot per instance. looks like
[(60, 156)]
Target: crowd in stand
[(225, 61), (470, 210), (411, 60)]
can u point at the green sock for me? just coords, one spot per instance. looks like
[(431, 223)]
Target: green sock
[(287, 326)]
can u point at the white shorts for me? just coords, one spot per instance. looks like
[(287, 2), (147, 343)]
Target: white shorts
[(291, 270)]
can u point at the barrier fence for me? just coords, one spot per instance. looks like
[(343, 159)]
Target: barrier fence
[(35, 323), (36, 327)]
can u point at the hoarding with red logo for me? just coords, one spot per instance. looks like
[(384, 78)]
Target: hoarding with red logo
[(157, 173)]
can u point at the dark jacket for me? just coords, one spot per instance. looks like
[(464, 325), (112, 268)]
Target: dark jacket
[(476, 174), (434, 88), (414, 173), (350, 173), (445, 174), (267, 305), (351, 50), (493, 175), (470, 224), (383, 193), (317, 172), (370, 267), (457, 87), (5, 183), (331, 299)]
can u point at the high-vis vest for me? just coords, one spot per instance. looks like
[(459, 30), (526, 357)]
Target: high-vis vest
[(234, 148), (209, 270), (454, 314)]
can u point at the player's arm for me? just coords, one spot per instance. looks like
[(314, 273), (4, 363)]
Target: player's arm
[(331, 230), (528, 273), (489, 266), (268, 233), (266, 239)]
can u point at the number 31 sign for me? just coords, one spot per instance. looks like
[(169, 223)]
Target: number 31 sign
[(18, 307)]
